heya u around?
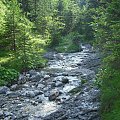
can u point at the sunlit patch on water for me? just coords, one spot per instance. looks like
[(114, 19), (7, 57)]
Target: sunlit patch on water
[(43, 109)]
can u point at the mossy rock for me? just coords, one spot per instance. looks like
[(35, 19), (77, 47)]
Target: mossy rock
[(75, 90)]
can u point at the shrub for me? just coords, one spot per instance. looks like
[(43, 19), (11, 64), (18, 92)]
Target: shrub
[(7, 76)]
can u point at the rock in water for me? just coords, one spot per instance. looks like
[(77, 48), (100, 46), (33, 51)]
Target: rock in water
[(14, 87), (4, 90), (22, 79), (36, 77), (46, 77), (1, 113), (53, 94), (65, 80), (49, 55), (58, 84), (32, 72), (30, 94)]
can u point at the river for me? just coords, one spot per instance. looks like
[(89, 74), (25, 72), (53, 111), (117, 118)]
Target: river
[(64, 90)]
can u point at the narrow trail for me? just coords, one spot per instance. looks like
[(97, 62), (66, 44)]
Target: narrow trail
[(64, 90)]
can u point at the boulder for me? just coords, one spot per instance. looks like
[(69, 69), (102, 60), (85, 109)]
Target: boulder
[(1, 113), (36, 77), (22, 79), (37, 92), (39, 99), (49, 55), (40, 86), (47, 94), (4, 90), (58, 84), (52, 84), (34, 103), (65, 80), (59, 56), (13, 94), (14, 87), (6, 114), (30, 94), (53, 95), (46, 77), (32, 73)]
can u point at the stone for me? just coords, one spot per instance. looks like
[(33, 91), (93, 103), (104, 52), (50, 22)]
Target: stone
[(39, 100), (4, 90), (46, 94), (36, 77), (46, 77), (53, 94), (49, 55), (14, 87), (32, 72), (58, 84), (13, 94), (37, 92), (1, 113), (34, 103), (52, 84), (30, 94), (59, 56), (65, 80), (6, 114), (47, 88), (40, 86), (22, 79), (25, 85)]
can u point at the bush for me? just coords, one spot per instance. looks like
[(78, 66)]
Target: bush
[(7, 76)]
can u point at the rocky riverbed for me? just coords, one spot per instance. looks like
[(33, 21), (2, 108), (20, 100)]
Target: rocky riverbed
[(64, 90)]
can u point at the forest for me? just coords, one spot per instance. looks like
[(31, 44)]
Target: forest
[(30, 28)]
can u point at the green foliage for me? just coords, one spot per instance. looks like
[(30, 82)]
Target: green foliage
[(21, 48), (70, 43), (114, 113), (7, 76), (106, 27), (3, 10)]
